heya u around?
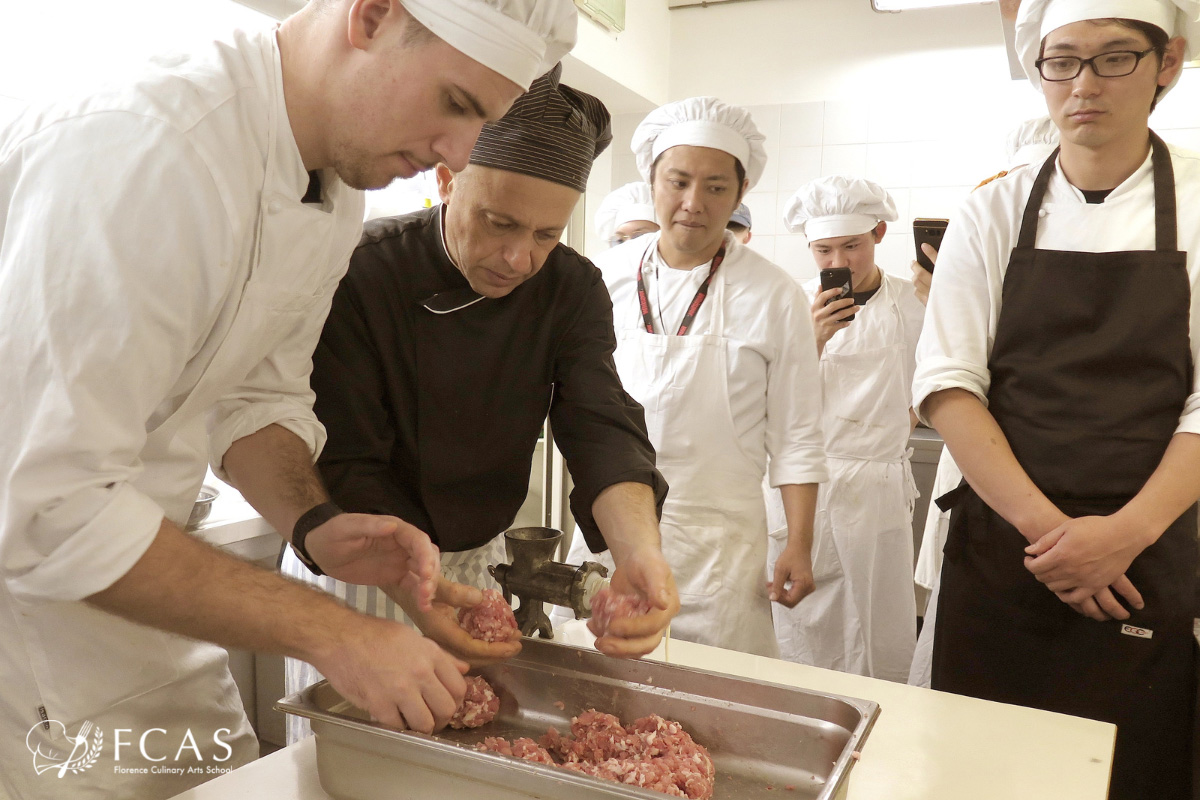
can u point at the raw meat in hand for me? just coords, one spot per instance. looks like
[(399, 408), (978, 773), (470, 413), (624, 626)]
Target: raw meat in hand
[(479, 705), (608, 605), (490, 621)]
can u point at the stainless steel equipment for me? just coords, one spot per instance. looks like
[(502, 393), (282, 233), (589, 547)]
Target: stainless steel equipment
[(763, 737), (535, 578), (202, 507)]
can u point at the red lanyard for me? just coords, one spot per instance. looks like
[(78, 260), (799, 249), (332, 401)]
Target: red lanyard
[(693, 307)]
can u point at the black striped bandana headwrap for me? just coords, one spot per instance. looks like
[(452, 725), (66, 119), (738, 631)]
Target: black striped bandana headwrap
[(551, 132)]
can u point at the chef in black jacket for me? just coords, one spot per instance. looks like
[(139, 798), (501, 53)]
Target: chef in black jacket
[(454, 333)]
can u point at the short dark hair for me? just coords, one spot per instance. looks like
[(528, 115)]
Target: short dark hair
[(415, 34), (736, 227), (738, 170)]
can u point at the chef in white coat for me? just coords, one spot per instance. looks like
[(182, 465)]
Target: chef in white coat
[(626, 213), (168, 254), (1058, 363), (862, 616), (1031, 142), (716, 343)]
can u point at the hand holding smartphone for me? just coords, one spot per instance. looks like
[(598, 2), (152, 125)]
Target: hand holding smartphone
[(838, 278), (928, 231)]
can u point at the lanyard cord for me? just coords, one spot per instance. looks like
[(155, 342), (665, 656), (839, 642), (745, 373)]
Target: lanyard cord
[(693, 307)]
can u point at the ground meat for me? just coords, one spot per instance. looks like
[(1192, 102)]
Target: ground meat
[(653, 753), (527, 749), (479, 705), (607, 605), (492, 620)]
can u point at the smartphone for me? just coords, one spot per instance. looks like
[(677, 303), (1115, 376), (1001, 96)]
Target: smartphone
[(838, 278), (928, 231)]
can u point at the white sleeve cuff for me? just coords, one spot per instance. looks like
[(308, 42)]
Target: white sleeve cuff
[(811, 469), (1189, 420), (939, 374), (251, 418), (97, 554)]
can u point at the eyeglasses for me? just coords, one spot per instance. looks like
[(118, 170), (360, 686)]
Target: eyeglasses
[(1116, 64)]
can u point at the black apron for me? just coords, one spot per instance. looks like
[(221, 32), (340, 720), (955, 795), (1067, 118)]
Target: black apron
[(1091, 367)]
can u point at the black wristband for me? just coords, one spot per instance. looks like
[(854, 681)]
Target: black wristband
[(313, 518)]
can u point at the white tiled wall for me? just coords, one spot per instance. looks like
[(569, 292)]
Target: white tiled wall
[(929, 159)]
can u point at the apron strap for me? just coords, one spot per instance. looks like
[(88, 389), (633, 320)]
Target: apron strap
[(1166, 234), (953, 497)]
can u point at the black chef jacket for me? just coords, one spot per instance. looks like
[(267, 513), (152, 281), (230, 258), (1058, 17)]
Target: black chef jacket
[(433, 416)]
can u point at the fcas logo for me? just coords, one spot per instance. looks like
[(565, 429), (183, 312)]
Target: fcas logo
[(63, 753)]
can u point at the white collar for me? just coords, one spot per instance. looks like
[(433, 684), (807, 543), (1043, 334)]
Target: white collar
[(655, 258), (1126, 187)]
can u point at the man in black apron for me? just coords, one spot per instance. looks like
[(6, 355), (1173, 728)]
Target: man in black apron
[(1084, 355)]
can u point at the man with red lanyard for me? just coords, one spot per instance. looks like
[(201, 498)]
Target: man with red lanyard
[(1057, 361), (716, 343)]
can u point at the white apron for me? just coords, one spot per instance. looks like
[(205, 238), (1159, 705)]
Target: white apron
[(714, 519), (862, 616), (468, 567), (94, 667)]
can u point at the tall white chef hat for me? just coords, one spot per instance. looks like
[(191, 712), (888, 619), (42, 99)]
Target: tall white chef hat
[(1031, 142), (520, 39), (703, 122), (626, 204), (1037, 18), (838, 206)]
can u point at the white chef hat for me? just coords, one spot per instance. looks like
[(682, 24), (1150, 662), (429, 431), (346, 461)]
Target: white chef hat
[(702, 122), (1037, 18), (1031, 142), (520, 39), (838, 206), (626, 204)]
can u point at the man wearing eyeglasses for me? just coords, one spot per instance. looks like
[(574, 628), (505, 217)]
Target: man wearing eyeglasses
[(1057, 362)]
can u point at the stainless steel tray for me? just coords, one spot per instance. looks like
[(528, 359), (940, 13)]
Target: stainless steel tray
[(760, 734)]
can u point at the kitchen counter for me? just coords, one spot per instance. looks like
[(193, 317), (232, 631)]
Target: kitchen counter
[(235, 527), (926, 745)]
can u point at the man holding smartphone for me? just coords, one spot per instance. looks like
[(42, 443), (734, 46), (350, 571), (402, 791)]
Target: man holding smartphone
[(862, 616), (1057, 363)]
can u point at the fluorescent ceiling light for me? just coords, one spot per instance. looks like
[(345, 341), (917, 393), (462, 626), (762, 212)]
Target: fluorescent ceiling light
[(906, 5)]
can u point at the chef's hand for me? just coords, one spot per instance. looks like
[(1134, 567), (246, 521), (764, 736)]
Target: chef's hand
[(371, 550), (922, 279), (1082, 558), (441, 623), (829, 319), (793, 566), (393, 673), (644, 573)]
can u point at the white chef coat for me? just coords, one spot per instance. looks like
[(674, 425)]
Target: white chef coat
[(767, 322), (163, 288), (862, 616), (960, 323), (906, 304), (749, 390)]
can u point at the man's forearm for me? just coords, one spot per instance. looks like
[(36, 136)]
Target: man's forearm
[(274, 471), (1171, 490), (625, 513), (187, 587), (799, 508), (982, 452)]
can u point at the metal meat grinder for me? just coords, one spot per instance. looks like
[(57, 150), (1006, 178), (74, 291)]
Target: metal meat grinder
[(534, 577)]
